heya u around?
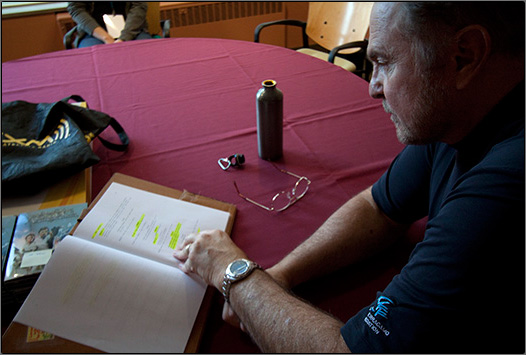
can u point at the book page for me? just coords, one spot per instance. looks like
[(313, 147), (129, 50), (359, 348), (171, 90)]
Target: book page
[(113, 301), (146, 224)]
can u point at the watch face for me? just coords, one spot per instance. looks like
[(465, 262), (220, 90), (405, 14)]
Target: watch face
[(238, 267)]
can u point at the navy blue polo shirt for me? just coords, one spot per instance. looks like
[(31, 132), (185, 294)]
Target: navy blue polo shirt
[(462, 289)]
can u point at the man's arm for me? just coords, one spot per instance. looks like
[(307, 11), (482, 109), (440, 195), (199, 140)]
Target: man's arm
[(354, 232), (277, 320)]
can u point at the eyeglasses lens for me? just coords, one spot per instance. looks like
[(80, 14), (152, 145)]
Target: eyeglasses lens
[(281, 200), (284, 199), (301, 187)]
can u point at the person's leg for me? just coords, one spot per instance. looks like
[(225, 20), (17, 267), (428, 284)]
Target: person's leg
[(143, 35), (89, 41)]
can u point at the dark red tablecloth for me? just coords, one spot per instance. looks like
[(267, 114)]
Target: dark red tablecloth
[(185, 103)]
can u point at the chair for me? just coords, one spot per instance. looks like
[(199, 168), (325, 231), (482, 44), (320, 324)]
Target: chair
[(157, 27), (339, 28)]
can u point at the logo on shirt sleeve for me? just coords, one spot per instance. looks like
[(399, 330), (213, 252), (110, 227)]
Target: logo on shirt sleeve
[(378, 313)]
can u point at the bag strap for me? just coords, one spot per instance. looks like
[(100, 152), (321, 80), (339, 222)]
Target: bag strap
[(121, 133), (122, 136), (76, 98)]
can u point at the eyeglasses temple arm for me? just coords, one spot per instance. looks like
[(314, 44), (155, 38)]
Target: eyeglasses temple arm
[(291, 174), (250, 200)]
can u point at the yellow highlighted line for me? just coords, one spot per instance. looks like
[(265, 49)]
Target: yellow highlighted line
[(175, 236), (137, 225), (97, 231), (156, 231)]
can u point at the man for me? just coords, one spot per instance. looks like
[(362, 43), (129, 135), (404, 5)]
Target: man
[(45, 238), (452, 77)]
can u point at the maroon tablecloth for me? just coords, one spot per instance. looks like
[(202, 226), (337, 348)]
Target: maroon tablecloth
[(185, 103)]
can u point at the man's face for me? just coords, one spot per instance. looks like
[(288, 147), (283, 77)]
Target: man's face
[(417, 99)]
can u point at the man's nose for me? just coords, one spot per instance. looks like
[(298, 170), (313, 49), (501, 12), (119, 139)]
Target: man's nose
[(376, 88)]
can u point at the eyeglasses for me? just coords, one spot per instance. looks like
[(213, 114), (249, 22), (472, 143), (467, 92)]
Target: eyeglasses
[(284, 199)]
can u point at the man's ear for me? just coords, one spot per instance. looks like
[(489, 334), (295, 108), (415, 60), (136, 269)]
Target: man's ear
[(473, 47)]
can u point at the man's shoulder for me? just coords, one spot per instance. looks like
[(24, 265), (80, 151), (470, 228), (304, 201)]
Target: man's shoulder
[(507, 155), (499, 176)]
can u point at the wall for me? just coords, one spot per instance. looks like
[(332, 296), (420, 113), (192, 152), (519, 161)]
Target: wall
[(295, 11), (36, 34), (31, 35)]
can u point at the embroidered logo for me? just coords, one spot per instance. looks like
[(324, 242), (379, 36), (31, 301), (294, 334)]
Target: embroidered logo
[(381, 307), (376, 312)]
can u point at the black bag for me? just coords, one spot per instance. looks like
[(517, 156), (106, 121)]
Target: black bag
[(43, 143)]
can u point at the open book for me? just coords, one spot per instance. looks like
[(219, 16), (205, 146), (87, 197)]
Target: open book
[(113, 284)]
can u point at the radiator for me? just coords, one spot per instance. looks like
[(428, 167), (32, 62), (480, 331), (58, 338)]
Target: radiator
[(229, 19)]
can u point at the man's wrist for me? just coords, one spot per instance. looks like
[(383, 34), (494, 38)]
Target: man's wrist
[(237, 271), (255, 276)]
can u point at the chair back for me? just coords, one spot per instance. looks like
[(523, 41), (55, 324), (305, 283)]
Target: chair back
[(153, 17), (331, 24)]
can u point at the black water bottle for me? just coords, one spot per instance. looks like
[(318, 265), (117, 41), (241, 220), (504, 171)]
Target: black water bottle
[(270, 121)]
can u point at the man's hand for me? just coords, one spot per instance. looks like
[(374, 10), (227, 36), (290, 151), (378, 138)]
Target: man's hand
[(207, 254)]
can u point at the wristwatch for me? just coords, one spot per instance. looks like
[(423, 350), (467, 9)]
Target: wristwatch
[(236, 271)]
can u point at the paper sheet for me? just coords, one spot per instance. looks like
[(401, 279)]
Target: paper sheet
[(145, 223), (113, 301), (114, 24), (35, 258)]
